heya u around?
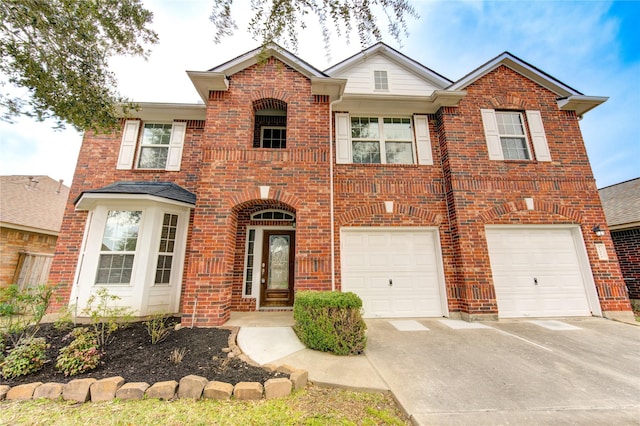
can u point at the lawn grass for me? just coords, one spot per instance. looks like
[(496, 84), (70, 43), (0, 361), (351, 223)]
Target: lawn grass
[(313, 406)]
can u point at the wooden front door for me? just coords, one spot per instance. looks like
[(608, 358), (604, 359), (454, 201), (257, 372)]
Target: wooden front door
[(278, 252)]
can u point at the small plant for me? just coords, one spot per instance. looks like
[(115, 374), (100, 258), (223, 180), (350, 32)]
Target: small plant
[(28, 356), (22, 310), (65, 319), (81, 355), (330, 321), (177, 355), (105, 319), (157, 328)]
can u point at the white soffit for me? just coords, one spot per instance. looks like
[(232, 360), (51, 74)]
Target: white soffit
[(151, 111), (400, 104)]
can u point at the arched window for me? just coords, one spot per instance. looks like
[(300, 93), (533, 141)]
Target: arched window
[(270, 123), (273, 215)]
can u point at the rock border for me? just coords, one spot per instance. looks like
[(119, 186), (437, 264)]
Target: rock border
[(190, 387)]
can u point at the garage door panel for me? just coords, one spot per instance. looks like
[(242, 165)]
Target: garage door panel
[(520, 256), (408, 258)]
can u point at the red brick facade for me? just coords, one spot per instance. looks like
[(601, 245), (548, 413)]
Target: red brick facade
[(459, 194), (627, 245)]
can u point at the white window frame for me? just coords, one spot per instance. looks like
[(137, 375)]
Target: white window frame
[(130, 135), (263, 128), (153, 146), (141, 295), (381, 138), (288, 216), (522, 136), (534, 134), (377, 73)]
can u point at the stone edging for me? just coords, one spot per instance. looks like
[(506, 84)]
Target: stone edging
[(189, 387)]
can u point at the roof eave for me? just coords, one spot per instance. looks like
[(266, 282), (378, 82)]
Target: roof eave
[(206, 81), (88, 201), (333, 87), (403, 104), (580, 104), (159, 111)]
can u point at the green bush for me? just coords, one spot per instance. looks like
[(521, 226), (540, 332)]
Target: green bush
[(22, 310), (27, 357), (106, 319), (157, 328), (330, 322), (81, 355)]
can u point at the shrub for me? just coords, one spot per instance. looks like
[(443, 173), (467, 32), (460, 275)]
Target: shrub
[(27, 357), (177, 355), (81, 355), (330, 322), (22, 311), (157, 328), (105, 319)]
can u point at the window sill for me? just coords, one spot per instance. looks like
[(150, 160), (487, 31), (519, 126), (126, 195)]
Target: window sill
[(394, 165)]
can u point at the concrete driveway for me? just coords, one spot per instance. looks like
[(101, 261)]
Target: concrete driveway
[(511, 372)]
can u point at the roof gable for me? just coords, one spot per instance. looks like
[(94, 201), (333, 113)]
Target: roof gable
[(568, 97), (383, 53), (162, 190)]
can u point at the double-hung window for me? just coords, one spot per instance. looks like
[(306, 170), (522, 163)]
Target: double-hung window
[(380, 80), (167, 247), (118, 247), (508, 134), (512, 136), (379, 140), (159, 147), (154, 147)]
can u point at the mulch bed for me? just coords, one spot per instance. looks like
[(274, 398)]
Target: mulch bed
[(132, 356)]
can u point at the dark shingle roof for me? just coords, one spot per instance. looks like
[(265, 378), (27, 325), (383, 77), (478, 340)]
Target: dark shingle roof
[(167, 190), (621, 202)]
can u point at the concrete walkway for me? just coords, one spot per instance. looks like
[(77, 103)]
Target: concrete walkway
[(267, 338), (543, 372)]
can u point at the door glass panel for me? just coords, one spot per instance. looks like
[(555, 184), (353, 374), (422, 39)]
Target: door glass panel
[(278, 262)]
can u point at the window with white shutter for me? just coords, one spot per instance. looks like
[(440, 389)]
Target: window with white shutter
[(507, 135), (128, 144)]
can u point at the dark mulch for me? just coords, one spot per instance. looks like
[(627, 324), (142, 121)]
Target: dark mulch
[(132, 356)]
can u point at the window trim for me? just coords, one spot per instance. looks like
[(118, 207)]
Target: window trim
[(382, 141), (263, 128), (288, 216), (142, 145), (375, 80), (524, 135)]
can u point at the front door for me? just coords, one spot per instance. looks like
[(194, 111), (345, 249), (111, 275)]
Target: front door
[(278, 251)]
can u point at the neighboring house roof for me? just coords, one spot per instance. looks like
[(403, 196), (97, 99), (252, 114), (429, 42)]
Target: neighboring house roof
[(621, 204), (166, 190), (32, 203), (569, 98)]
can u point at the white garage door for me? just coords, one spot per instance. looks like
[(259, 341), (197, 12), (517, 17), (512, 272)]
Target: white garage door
[(537, 273), (396, 273)]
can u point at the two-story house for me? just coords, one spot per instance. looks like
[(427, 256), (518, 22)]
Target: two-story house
[(471, 199)]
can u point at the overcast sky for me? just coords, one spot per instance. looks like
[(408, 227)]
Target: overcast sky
[(592, 46)]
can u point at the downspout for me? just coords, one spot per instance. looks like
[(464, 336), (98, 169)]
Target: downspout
[(331, 215)]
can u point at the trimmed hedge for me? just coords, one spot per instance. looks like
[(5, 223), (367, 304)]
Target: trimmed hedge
[(330, 321)]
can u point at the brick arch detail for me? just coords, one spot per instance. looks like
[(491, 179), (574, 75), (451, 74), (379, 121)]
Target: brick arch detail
[(507, 102), (272, 94), (251, 196), (495, 212), (269, 103), (379, 208)]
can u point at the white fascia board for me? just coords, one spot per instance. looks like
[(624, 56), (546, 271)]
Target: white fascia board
[(153, 111), (520, 67), (89, 201), (401, 60), (28, 229), (254, 56), (205, 81), (623, 226), (334, 87), (581, 104), (399, 104)]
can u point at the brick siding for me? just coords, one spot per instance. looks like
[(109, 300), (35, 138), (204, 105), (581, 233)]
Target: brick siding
[(627, 245)]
